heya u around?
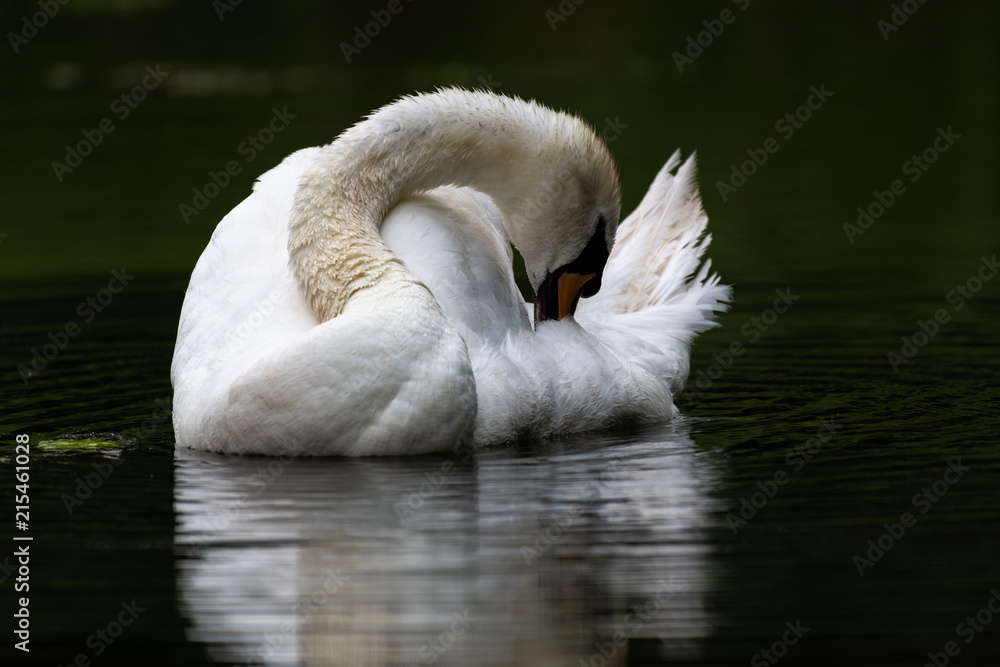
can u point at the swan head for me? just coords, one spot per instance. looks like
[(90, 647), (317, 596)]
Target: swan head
[(564, 227), (560, 290), (548, 172)]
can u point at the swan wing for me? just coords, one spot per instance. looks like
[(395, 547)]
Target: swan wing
[(656, 286), (452, 239), (559, 378), (254, 371), (242, 299)]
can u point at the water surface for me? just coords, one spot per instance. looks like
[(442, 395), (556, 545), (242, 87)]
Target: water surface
[(551, 546), (791, 501)]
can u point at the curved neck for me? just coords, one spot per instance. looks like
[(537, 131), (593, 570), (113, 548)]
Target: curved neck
[(418, 143)]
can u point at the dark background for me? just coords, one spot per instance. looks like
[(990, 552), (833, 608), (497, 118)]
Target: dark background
[(612, 63), (605, 61)]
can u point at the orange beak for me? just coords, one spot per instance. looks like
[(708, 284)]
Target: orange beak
[(557, 297)]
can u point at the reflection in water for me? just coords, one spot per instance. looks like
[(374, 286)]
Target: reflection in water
[(588, 548)]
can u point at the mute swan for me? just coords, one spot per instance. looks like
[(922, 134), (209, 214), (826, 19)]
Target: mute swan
[(361, 300)]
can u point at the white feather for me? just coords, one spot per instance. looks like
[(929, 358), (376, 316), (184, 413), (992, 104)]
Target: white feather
[(356, 304)]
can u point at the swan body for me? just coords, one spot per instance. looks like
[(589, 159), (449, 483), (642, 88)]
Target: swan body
[(361, 300)]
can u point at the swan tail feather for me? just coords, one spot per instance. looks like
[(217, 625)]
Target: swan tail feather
[(656, 262)]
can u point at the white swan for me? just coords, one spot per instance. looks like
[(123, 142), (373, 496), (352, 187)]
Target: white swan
[(361, 301)]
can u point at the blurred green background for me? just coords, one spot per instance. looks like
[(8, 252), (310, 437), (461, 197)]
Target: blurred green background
[(612, 63)]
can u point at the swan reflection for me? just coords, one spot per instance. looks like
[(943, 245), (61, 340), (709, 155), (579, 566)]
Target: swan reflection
[(586, 548)]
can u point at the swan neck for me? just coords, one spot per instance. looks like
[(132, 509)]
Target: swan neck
[(419, 143), (487, 150)]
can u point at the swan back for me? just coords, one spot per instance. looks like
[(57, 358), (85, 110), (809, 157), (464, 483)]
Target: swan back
[(255, 371)]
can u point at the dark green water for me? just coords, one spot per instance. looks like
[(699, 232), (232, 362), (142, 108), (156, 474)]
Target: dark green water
[(553, 546)]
